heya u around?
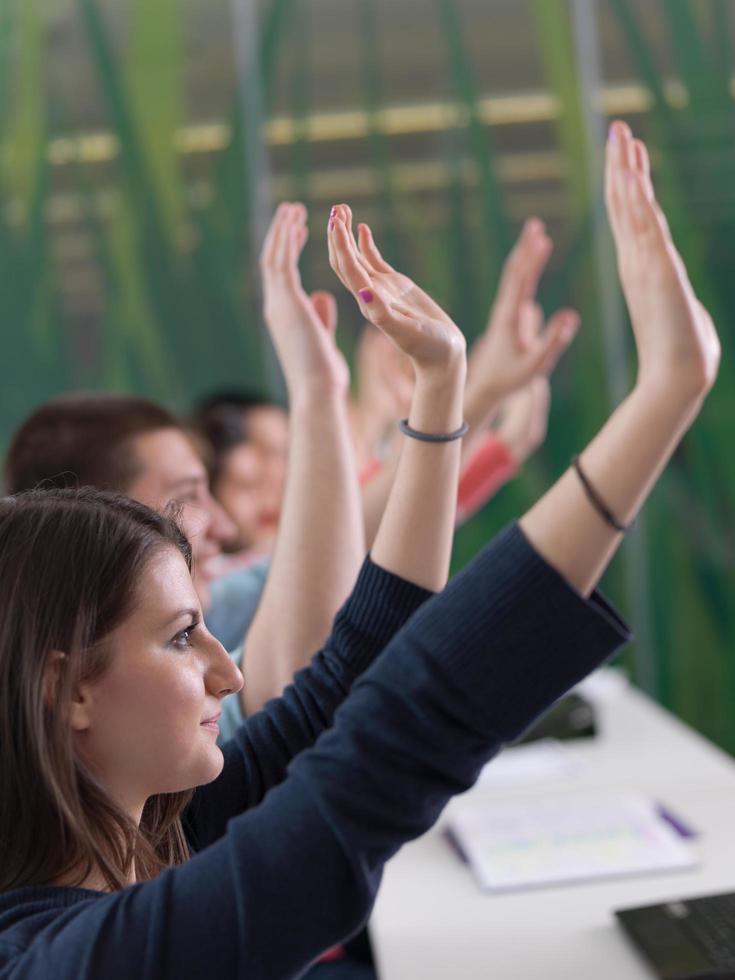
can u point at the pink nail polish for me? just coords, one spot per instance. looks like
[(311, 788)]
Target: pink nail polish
[(612, 133), (331, 225), (332, 212), (366, 295)]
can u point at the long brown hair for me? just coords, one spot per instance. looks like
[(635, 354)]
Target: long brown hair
[(70, 565)]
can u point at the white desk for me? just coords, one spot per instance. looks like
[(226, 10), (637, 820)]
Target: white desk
[(432, 922)]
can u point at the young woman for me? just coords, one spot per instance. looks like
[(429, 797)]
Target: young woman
[(110, 685)]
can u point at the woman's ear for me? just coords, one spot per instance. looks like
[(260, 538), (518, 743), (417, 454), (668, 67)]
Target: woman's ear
[(56, 663)]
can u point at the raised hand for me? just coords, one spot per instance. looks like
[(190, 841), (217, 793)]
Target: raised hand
[(302, 327), (524, 418), (390, 300), (517, 345), (676, 340), (678, 358)]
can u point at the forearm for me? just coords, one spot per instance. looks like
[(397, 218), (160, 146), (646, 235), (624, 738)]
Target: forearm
[(486, 464), (261, 746), (622, 463), (415, 535), (491, 466), (318, 552), (375, 496)]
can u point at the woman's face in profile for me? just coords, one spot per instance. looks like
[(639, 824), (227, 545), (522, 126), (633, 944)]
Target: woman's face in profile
[(148, 724)]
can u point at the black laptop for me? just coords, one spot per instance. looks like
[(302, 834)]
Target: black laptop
[(692, 939)]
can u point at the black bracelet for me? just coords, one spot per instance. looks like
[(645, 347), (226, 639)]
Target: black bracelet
[(597, 502), (429, 437)]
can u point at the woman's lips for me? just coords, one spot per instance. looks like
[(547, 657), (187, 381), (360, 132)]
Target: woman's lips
[(269, 519)]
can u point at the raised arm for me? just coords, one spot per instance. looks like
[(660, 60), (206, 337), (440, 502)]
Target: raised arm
[(678, 358), (516, 349), (320, 542), (517, 345), (414, 539)]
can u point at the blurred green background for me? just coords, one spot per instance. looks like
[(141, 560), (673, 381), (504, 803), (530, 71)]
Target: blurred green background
[(144, 143)]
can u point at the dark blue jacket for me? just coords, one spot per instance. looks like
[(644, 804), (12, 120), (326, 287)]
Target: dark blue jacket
[(291, 844)]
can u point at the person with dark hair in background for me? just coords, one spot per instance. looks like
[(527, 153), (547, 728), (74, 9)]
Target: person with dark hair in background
[(247, 434), (246, 449)]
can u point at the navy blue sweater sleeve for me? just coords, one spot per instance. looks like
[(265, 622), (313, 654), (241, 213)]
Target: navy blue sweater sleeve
[(470, 670), (256, 758)]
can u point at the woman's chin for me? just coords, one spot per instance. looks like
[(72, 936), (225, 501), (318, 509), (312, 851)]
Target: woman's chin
[(205, 770)]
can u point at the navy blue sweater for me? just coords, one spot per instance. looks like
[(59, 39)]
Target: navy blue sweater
[(280, 877)]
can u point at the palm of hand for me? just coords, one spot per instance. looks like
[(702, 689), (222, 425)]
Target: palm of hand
[(501, 349), (515, 347), (302, 328), (391, 300), (673, 330), (303, 342), (434, 332), (675, 336)]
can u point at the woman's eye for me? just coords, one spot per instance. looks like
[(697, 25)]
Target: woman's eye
[(182, 640)]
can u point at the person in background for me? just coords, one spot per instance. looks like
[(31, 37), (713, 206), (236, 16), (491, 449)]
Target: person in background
[(109, 723), (248, 438), (126, 444), (235, 475)]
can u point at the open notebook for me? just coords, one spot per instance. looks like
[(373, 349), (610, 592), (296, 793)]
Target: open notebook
[(551, 841)]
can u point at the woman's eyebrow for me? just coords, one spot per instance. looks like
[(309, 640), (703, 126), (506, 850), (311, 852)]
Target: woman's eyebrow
[(191, 613)]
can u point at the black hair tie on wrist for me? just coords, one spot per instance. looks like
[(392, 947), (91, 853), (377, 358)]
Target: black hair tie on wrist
[(597, 502), (429, 437)]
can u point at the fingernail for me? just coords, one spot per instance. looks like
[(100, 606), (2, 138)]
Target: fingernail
[(331, 225), (366, 295), (332, 212), (612, 133)]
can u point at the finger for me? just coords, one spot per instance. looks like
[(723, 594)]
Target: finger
[(330, 241), (369, 296), (539, 252), (621, 159), (530, 324), (299, 216), (541, 405), (560, 332), (346, 254), (643, 166), (370, 250), (338, 244), (523, 268), (325, 306), (267, 251), (292, 254), (345, 213), (282, 240)]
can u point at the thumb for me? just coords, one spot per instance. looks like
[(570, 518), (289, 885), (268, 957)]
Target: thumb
[(560, 332), (325, 307), (530, 322)]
